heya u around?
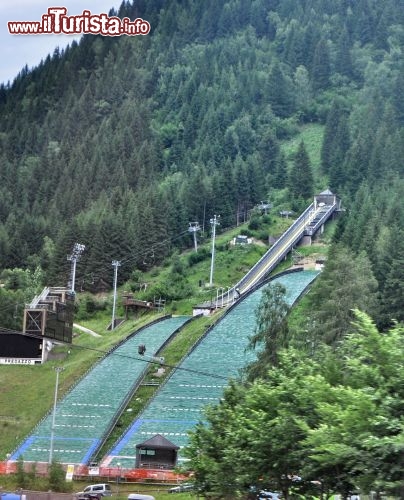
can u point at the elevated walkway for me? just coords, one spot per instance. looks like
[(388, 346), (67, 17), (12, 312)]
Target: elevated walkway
[(309, 222)]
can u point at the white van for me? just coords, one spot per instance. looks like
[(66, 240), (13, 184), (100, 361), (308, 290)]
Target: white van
[(138, 496), (102, 490)]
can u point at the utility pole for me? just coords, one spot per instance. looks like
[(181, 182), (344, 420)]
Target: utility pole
[(204, 217), (52, 437), (78, 249), (214, 222), (116, 264), (264, 206), (193, 228), (118, 478)]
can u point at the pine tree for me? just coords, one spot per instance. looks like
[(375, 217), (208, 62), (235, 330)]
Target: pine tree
[(271, 331), (269, 150), (330, 130), (336, 143), (392, 299), (321, 67), (357, 162), (347, 282), (343, 63), (279, 179), (365, 22), (301, 182), (398, 101), (280, 92), (303, 89), (294, 44)]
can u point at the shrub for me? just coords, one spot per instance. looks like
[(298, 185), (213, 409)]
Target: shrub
[(57, 480), (199, 256), (254, 224), (177, 266), (263, 236), (21, 477)]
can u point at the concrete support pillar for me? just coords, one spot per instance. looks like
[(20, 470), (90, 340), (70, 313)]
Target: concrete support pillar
[(306, 241)]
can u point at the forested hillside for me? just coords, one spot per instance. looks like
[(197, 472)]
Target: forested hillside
[(118, 143)]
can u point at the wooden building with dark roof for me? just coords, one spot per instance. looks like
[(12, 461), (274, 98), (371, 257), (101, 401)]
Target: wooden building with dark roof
[(157, 452)]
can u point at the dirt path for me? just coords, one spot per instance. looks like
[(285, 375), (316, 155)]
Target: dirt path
[(86, 330)]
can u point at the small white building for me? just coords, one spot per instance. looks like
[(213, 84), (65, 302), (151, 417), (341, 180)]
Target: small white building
[(242, 239)]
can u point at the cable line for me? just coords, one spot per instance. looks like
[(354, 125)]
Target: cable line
[(127, 356)]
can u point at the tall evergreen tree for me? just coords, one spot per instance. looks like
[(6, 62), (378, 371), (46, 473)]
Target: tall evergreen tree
[(269, 150), (343, 63), (279, 179), (321, 67), (397, 97), (392, 298), (336, 143), (303, 89), (347, 282), (280, 92), (271, 333), (300, 182)]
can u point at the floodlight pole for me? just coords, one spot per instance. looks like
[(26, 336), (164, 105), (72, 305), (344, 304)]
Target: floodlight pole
[(214, 222), (193, 228), (118, 478), (52, 436), (116, 264), (74, 262), (78, 249)]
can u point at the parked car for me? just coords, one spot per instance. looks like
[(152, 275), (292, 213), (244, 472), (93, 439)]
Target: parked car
[(273, 495), (94, 491), (138, 496), (181, 488), (257, 494)]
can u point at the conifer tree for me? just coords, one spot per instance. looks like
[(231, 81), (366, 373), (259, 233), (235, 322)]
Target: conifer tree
[(321, 67), (336, 143), (343, 63), (280, 92), (398, 101), (279, 179), (392, 298), (365, 22), (301, 183), (269, 150), (271, 332), (347, 282), (303, 89)]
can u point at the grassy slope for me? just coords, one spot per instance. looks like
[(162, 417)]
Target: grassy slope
[(26, 392), (312, 136)]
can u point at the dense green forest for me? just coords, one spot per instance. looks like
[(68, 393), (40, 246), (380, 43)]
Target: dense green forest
[(312, 425), (118, 143)]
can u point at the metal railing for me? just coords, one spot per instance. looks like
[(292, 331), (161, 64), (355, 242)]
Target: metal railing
[(300, 227)]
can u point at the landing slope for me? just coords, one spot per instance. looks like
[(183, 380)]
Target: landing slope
[(221, 353)]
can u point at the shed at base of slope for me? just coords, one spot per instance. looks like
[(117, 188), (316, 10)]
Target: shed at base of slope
[(157, 452)]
